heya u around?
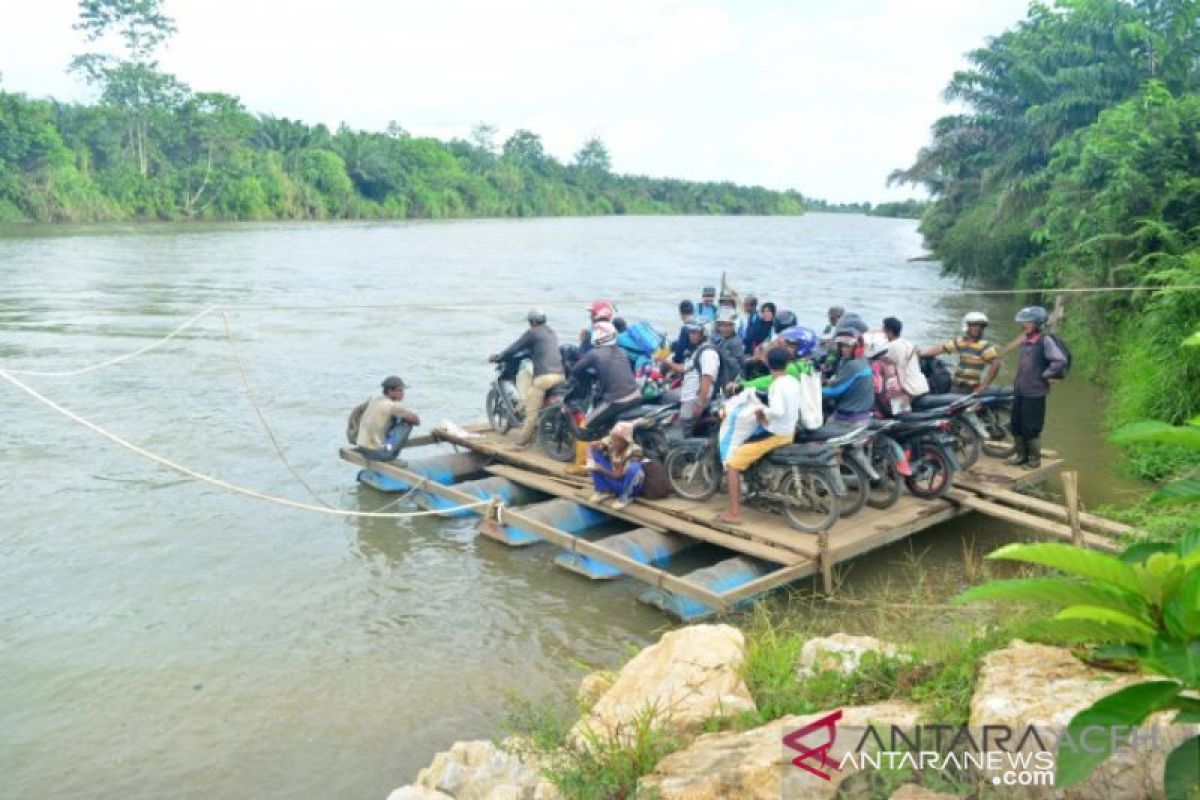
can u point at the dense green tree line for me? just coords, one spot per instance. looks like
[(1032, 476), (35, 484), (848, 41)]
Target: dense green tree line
[(903, 209), (151, 148), (1076, 162)]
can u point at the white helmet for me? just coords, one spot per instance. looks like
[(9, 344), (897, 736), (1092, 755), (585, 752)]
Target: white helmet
[(604, 334), (974, 318)]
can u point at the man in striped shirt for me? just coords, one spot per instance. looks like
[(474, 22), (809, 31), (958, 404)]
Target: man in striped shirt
[(978, 359)]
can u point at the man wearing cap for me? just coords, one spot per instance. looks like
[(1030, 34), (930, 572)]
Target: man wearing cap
[(615, 465), (707, 309), (542, 343), (727, 339), (386, 424)]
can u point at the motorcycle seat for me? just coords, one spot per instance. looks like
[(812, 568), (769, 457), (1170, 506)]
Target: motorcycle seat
[(820, 434), (921, 416), (810, 454), (929, 401), (637, 412)]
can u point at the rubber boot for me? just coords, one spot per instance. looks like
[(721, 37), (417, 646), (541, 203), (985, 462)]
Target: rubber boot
[(1020, 453), (581, 457), (1033, 450)]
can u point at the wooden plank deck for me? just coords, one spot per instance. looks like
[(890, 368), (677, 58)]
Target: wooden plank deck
[(762, 535)]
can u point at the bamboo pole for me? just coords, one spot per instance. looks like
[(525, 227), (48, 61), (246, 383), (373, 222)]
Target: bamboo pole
[(1070, 482)]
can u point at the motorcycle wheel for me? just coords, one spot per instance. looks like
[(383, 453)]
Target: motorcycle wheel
[(999, 442), (692, 473), (932, 474), (654, 444), (885, 491), (858, 488), (812, 505), (967, 443), (555, 435), (495, 412)]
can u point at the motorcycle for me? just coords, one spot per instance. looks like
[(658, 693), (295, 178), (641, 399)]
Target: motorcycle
[(962, 411), (857, 471), (928, 446), (503, 402), (800, 479), (560, 423), (504, 405)]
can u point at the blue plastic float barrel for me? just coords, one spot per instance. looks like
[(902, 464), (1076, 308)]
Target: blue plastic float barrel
[(641, 544), (566, 515), (502, 489), (721, 577), (444, 469)]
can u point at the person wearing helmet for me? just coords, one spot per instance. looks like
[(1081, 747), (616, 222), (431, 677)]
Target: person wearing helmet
[(706, 310), (617, 388), (542, 343), (598, 311), (851, 388), (726, 338), (800, 344), (978, 359), (687, 315), (903, 354), (1041, 360), (834, 315), (779, 418), (701, 370), (386, 424)]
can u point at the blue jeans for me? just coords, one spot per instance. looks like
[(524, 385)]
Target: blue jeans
[(397, 437), (628, 486)]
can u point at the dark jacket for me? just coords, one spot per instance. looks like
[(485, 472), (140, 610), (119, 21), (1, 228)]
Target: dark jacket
[(614, 376), (852, 387), (758, 331), (542, 343), (1040, 360)]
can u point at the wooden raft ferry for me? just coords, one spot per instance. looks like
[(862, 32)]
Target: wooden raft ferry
[(532, 499)]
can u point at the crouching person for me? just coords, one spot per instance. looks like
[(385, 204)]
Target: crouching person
[(615, 465), (778, 420), (386, 424)]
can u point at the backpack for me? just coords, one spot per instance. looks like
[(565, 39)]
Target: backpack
[(656, 485), (937, 374), (354, 421), (1066, 351), (729, 369)]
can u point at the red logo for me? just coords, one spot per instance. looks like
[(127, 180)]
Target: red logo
[(820, 753)]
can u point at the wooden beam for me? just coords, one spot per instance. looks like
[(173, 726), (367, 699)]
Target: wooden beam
[(1071, 493), (1040, 524), (1009, 497), (637, 569), (771, 580)]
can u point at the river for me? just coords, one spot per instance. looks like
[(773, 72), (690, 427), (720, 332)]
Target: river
[(162, 638)]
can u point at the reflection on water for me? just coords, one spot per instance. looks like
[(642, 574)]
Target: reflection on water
[(161, 637)]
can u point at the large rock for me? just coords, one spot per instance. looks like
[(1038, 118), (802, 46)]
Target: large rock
[(755, 765), (593, 686), (482, 771), (840, 652), (690, 676), (1032, 684)]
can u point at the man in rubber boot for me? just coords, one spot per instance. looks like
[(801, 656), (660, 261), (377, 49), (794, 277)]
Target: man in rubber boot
[(386, 424), (1041, 361)]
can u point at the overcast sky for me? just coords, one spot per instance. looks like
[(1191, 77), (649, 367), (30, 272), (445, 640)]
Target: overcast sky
[(824, 96)]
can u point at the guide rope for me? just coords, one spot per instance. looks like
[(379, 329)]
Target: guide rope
[(218, 482)]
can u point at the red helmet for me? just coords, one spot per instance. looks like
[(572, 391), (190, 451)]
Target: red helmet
[(602, 311)]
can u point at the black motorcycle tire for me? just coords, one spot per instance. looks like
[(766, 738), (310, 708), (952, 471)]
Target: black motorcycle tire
[(999, 441), (813, 506), (692, 473), (885, 492), (555, 436), (968, 443), (932, 473), (858, 488)]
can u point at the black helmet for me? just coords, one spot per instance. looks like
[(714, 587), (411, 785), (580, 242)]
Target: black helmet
[(851, 322), (783, 320), (1035, 314)]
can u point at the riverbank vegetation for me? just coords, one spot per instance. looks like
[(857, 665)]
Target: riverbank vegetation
[(152, 148), (1074, 164)]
